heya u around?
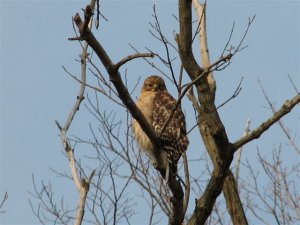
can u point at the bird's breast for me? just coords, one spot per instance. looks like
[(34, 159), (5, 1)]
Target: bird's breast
[(145, 104)]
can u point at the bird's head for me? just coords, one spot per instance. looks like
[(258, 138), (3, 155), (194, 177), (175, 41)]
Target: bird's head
[(154, 83)]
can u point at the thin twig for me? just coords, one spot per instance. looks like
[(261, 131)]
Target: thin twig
[(293, 84), (5, 197), (235, 94)]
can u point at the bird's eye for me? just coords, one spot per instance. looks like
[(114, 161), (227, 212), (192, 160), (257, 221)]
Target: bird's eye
[(149, 85)]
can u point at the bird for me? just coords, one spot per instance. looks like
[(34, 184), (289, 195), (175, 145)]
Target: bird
[(156, 104)]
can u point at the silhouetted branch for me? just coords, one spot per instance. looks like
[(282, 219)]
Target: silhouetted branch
[(233, 50), (229, 39)]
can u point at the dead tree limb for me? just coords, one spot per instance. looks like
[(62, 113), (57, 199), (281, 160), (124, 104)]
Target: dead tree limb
[(201, 13), (82, 184)]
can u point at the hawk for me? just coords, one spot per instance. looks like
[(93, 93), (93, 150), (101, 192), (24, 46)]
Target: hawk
[(156, 104)]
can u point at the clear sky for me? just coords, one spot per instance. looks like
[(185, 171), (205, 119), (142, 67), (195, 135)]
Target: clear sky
[(35, 91)]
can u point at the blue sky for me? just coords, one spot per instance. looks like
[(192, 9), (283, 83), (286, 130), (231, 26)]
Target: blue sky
[(35, 91)]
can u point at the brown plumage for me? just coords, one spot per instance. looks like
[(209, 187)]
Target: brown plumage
[(156, 104)]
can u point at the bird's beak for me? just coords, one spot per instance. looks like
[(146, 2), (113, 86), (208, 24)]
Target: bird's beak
[(155, 86)]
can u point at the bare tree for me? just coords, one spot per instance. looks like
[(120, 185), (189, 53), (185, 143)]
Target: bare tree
[(106, 191)]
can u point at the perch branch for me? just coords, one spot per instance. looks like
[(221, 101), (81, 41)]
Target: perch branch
[(114, 75)]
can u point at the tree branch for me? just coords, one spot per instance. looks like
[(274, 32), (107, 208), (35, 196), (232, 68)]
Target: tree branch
[(285, 108), (131, 57), (85, 186), (64, 129)]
